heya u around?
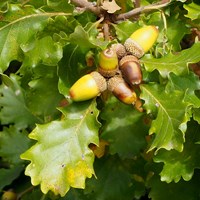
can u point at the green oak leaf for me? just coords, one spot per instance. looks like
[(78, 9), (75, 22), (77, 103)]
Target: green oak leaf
[(196, 115), (7, 176), (125, 29), (19, 32), (168, 125), (41, 88), (187, 84), (181, 164), (176, 63), (13, 105), (114, 180), (87, 37), (60, 6), (176, 30), (174, 191), (43, 50), (124, 129), (193, 10), (71, 67), (61, 157), (12, 144)]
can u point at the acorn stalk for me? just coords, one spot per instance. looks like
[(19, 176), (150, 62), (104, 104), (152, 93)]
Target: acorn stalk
[(141, 40), (131, 70), (88, 87), (108, 63), (121, 90)]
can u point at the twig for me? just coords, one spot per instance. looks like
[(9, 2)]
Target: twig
[(139, 10), (87, 6), (106, 31)]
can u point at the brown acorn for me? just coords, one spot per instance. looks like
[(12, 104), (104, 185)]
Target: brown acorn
[(121, 90), (131, 70), (108, 63)]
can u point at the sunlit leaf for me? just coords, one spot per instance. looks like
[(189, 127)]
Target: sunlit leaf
[(61, 157), (193, 10)]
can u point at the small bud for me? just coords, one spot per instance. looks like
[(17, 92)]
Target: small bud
[(88, 87), (131, 71), (141, 40), (108, 63), (121, 90)]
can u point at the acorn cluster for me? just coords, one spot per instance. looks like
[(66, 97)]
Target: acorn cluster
[(119, 69)]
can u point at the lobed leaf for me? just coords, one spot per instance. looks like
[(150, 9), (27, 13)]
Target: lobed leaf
[(125, 29), (124, 129), (193, 10), (171, 113), (13, 105), (43, 50), (181, 164), (176, 63), (12, 144), (7, 176), (114, 180), (61, 157), (18, 33), (175, 191)]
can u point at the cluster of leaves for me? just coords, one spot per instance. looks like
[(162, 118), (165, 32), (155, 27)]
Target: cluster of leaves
[(109, 149)]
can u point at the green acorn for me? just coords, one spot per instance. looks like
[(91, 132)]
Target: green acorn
[(108, 63), (88, 87)]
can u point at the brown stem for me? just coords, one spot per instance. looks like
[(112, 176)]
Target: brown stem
[(139, 10), (87, 6), (106, 31)]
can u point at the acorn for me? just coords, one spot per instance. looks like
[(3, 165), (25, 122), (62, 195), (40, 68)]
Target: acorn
[(141, 40), (9, 195), (131, 70), (87, 87), (121, 90), (108, 63)]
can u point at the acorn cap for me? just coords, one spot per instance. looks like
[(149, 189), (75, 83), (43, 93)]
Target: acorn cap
[(121, 90), (119, 49), (100, 81), (133, 48), (107, 73), (114, 82), (141, 40), (128, 58)]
